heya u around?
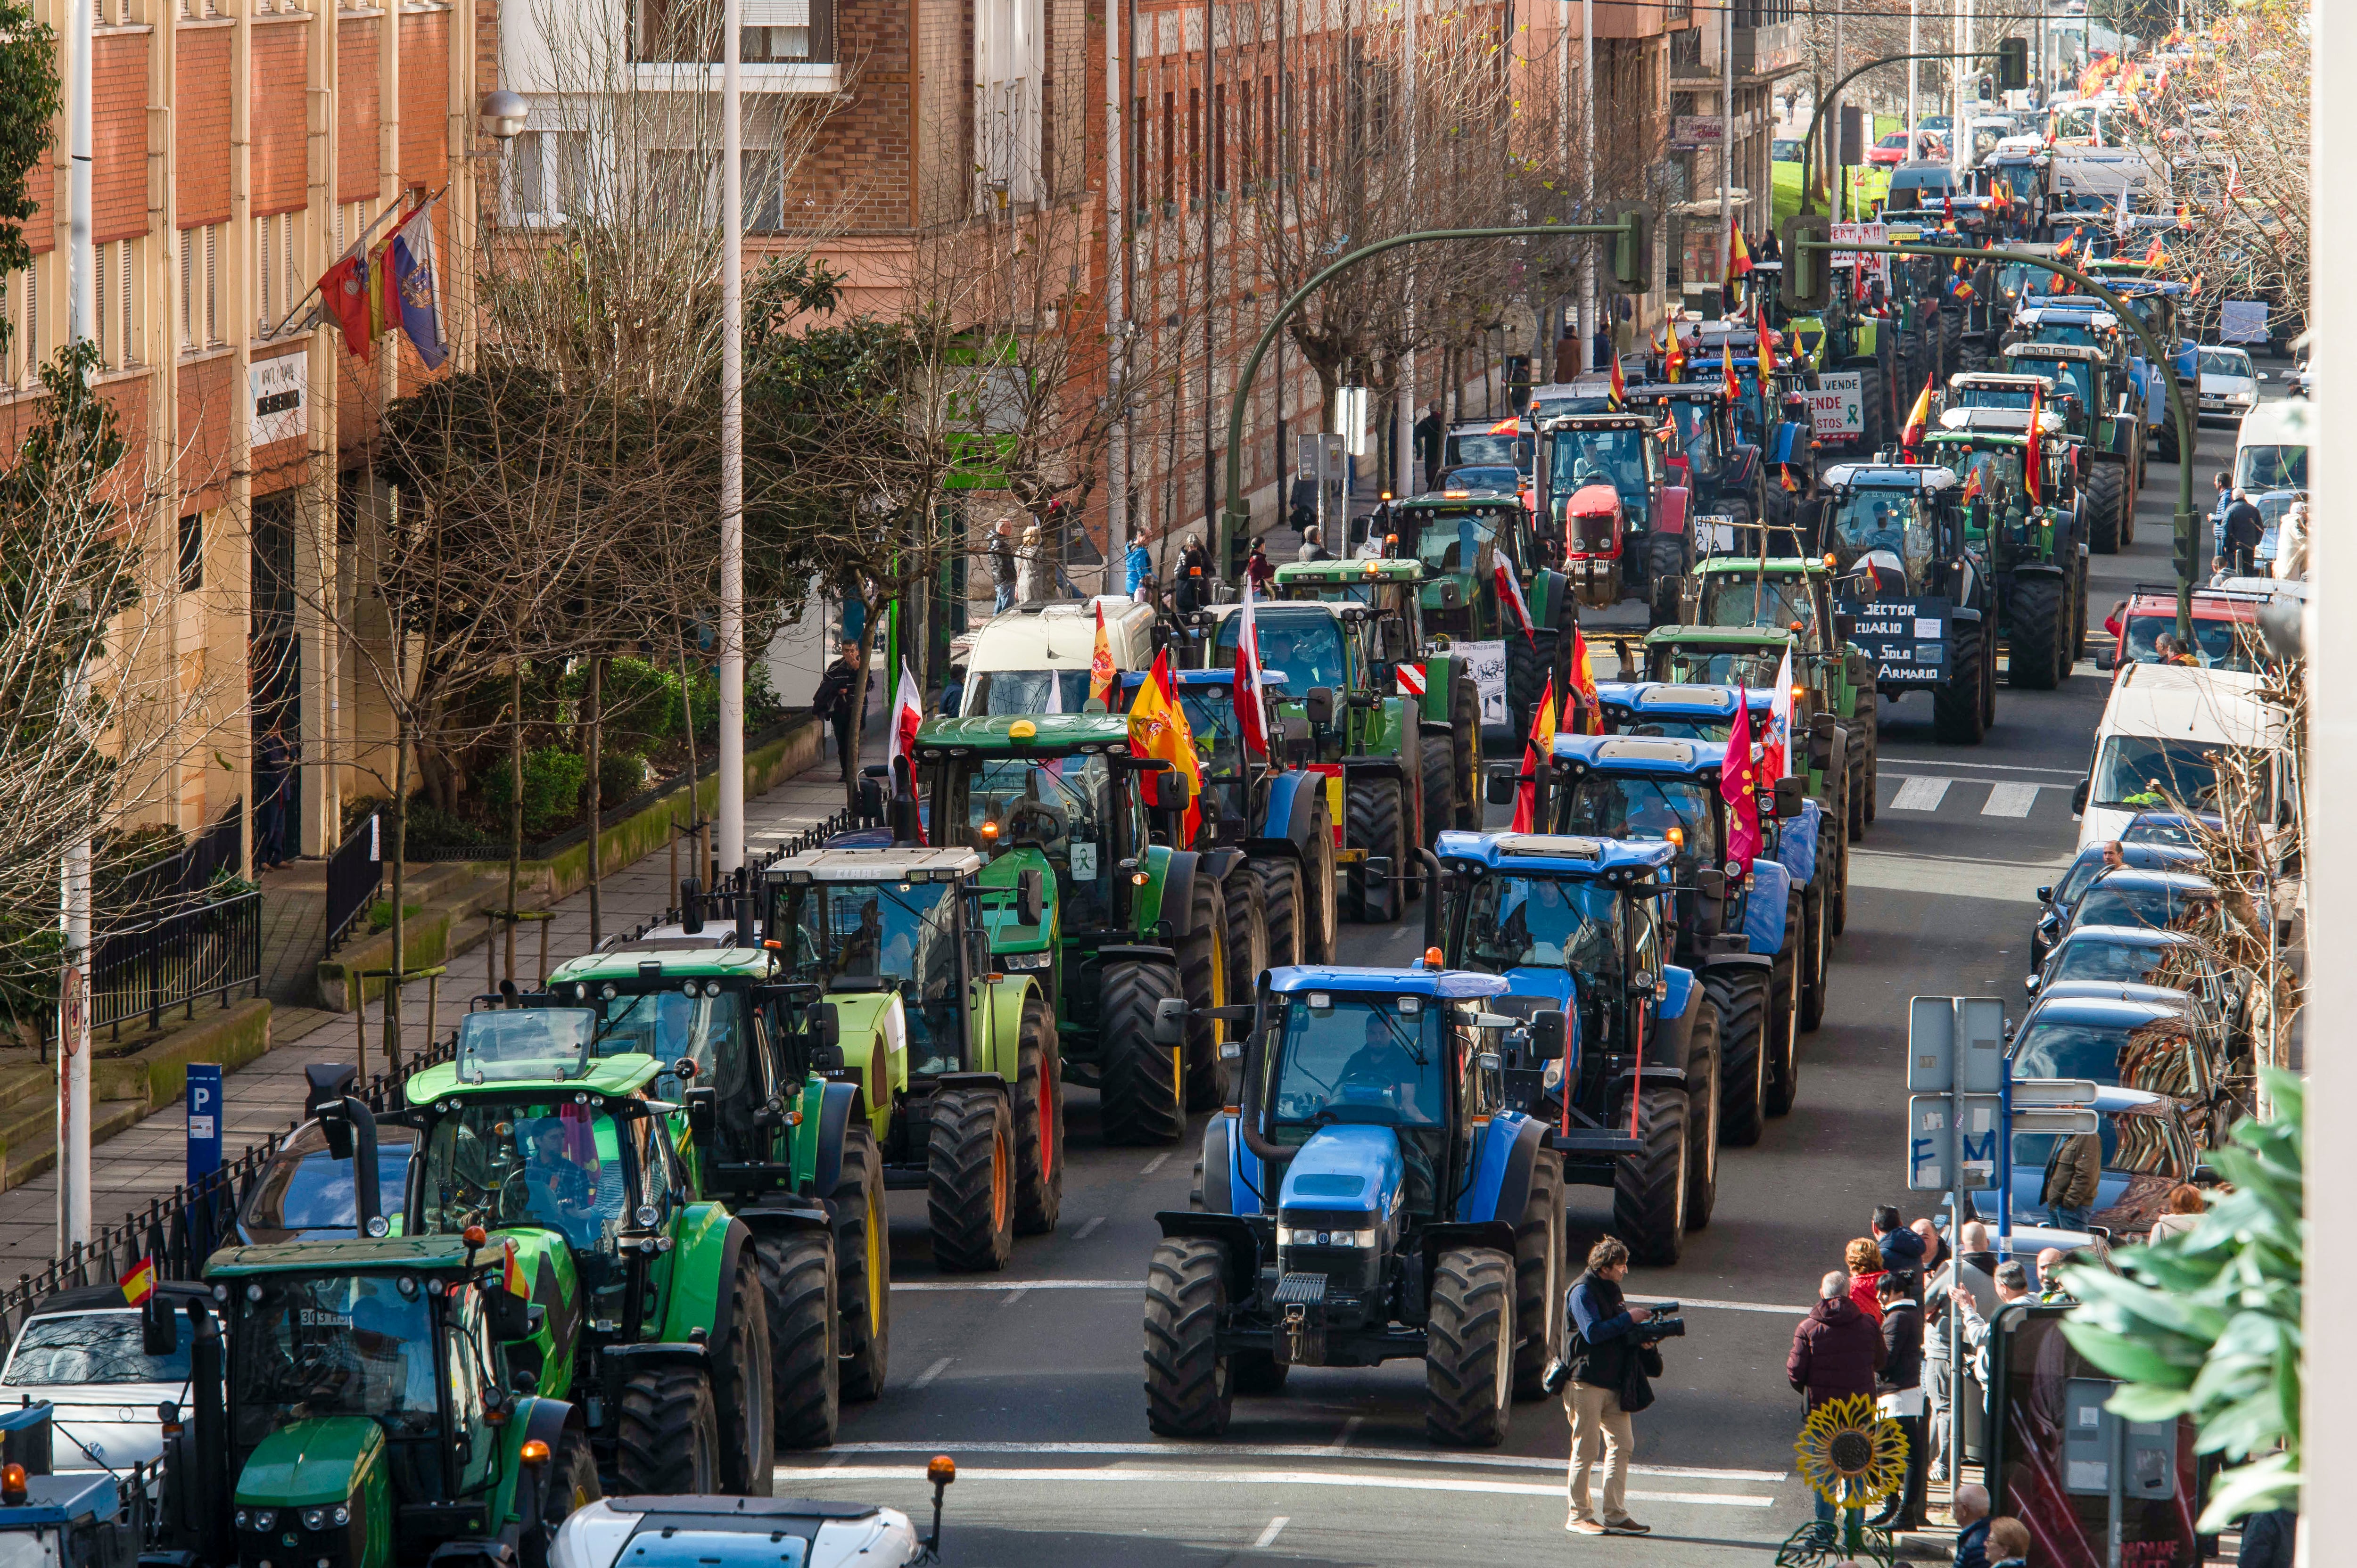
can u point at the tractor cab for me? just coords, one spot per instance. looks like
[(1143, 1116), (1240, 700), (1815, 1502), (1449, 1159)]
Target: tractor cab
[(1779, 591), (1719, 467), (1231, 774), (1899, 521), (1606, 484), (2088, 374)]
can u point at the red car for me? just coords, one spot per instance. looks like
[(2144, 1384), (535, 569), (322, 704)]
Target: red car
[(2225, 630), (1892, 149)]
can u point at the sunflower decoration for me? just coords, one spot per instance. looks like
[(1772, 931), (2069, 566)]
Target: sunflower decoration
[(1851, 1456)]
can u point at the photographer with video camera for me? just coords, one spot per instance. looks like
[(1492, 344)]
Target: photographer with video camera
[(1610, 1354)]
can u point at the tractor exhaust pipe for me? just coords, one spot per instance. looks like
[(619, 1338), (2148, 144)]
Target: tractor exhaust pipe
[(1431, 900)]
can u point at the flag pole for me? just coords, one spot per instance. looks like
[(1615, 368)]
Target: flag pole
[(731, 782), (350, 252)]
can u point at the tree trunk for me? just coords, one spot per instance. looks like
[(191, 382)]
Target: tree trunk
[(695, 801), (867, 618), (400, 890), (597, 717), (515, 803)]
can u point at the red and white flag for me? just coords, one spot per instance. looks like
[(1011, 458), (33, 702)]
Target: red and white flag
[(1247, 687), (1776, 746), (908, 713), (1510, 594)]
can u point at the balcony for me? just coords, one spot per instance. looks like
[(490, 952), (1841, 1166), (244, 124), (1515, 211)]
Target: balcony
[(783, 46), (1770, 50)]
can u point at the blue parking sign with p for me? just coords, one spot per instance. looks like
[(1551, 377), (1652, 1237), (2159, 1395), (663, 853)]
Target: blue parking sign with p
[(204, 1118)]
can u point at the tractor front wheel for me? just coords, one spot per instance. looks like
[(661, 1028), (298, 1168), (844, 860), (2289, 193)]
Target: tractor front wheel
[(862, 1266), (1465, 747), (1703, 1063), (1539, 1281), (1649, 1189), (1205, 956), (1187, 1389), (1322, 913), (743, 1387), (1039, 1122), (2035, 652), (1957, 708), (970, 1181), (1469, 1348), (1440, 786), (572, 1483), (1813, 960), (1375, 826), (1280, 909), (2105, 486), (1744, 999), (668, 1435), (1140, 1079), (799, 1290)]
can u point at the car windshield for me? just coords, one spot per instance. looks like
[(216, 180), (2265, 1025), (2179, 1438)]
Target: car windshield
[(1302, 646), (2159, 906), (1447, 539), (1890, 521), (677, 1546), (1751, 599), (2155, 1056), (1784, 150), (1996, 395), (551, 1164), (2076, 376), (2225, 362), (2217, 644), (2133, 1143), (1542, 922), (69, 1349), (336, 1344), (1507, 448), (306, 1190), (903, 934), (2154, 774), (1998, 467), (1718, 664), (1482, 477), (2260, 468), (2185, 833), (2078, 334), (1027, 691), (1348, 1057), (1624, 807), (2121, 962), (1062, 806), (1607, 457), (2074, 881)]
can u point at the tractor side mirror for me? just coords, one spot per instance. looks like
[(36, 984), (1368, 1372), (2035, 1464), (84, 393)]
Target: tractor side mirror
[(1391, 640), (2106, 659), (1790, 794), (691, 905), (1500, 782), (1319, 705), (703, 1115), (159, 1328), (1711, 885), (1172, 792), (2079, 797), (1550, 1030), (1489, 1083), (825, 1025), (1031, 894), (2029, 982), (1170, 1022), (871, 798)]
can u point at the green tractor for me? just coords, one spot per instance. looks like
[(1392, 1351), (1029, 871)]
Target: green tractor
[(2036, 557), (2108, 422), (1131, 939), (949, 1047), (1842, 339)]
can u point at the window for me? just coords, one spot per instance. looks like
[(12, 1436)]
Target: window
[(1194, 144), (20, 303), (199, 287), (775, 31), (1169, 142), (192, 553), (1220, 136), (1137, 129), (550, 172), (764, 174)]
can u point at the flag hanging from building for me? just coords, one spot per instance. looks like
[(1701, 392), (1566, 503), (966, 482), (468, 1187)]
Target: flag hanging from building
[(343, 293), (420, 306)]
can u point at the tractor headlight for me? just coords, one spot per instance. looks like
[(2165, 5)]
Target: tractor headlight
[(264, 1519), (243, 1521), (315, 1520), (1294, 1236), (1040, 960), (343, 1514)]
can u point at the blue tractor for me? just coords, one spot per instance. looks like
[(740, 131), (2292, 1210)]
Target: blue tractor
[(1375, 1196), (1583, 928)]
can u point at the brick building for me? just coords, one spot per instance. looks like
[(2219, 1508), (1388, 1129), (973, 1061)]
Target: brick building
[(239, 145)]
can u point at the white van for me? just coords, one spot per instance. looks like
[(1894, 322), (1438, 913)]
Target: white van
[(1014, 657), (2271, 451), (2159, 731)]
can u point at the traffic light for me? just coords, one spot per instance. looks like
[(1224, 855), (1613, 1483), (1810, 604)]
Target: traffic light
[(1632, 250), (2012, 64), (2183, 555), (1808, 281)]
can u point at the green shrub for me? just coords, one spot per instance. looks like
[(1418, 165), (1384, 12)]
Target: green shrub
[(429, 824), (381, 914), (620, 775), (552, 791)]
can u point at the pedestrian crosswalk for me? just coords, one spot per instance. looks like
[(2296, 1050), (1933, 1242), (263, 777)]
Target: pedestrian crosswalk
[(1927, 794)]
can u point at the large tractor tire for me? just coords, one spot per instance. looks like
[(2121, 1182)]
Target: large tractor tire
[(1813, 965), (1539, 1281), (1440, 786), (668, 1438), (1248, 949), (1669, 558), (571, 1481), (970, 1181), (1204, 956), (799, 1289), (1139, 1086), (1878, 412), (1957, 708), (1280, 909), (1744, 1000), (2079, 615), (862, 1266), (1702, 1116), (1376, 826), (1529, 661), (1469, 1348), (1649, 1189), (2035, 654), (742, 1388), (1187, 1389), (1321, 906), (2103, 508), (1465, 747), (1833, 862), (1039, 1122), (1972, 355), (1860, 794)]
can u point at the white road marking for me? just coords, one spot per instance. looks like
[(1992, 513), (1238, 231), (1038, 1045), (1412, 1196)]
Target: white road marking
[(2011, 799), (1349, 1430), (1900, 765), (930, 1373), (1778, 1308), (868, 1474), (1300, 1451), (1083, 1233), (1921, 794), (1267, 1537), (899, 1285), (1014, 1295), (1154, 1163)]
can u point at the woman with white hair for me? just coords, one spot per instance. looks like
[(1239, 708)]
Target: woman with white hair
[(2291, 542)]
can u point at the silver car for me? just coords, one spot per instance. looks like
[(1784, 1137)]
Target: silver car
[(2230, 384), (81, 1351)]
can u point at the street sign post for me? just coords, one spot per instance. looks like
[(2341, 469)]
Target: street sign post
[(204, 1101), (1955, 1117)]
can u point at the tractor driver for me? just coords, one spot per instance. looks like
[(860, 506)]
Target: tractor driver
[(563, 1194), (1393, 1064), (1588, 468)]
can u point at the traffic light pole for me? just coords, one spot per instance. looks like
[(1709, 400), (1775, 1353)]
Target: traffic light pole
[(1631, 259), (2186, 517), (1809, 142)]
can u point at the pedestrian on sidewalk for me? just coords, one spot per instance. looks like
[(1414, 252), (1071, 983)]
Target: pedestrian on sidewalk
[(2180, 1212), (2073, 1176), (1137, 566), (1864, 1259), (1973, 1270), (2268, 1539), (273, 773), (1600, 1353), (1313, 545), (1836, 1352), (1027, 568), (2291, 542), (953, 692), (832, 699), (1192, 590), (1430, 443), (1936, 1246), (1902, 1248), (1256, 568), (2008, 1543), (1002, 566), (1969, 1510), (1898, 1394)]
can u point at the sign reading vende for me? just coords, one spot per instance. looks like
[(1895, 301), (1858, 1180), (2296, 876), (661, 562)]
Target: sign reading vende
[(1837, 406)]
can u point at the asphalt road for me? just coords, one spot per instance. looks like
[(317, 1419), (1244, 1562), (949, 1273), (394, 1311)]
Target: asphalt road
[(1032, 1379)]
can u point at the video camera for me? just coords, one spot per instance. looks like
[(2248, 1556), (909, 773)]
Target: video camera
[(1661, 1322)]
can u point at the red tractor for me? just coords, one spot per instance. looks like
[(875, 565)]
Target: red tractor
[(1594, 522)]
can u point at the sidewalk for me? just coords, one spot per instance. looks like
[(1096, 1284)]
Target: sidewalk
[(148, 1160)]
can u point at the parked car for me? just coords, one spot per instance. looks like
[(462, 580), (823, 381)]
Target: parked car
[(80, 1350), (2062, 897), (2230, 383), (2225, 628), (1890, 151), (2148, 1146), (2138, 955), (2184, 828), (2160, 733)]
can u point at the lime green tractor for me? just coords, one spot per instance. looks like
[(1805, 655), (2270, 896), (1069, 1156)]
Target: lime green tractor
[(1125, 931), (950, 1047), (2035, 550)]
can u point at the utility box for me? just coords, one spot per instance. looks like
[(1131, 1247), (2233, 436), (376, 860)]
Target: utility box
[(2091, 1440), (1853, 136)]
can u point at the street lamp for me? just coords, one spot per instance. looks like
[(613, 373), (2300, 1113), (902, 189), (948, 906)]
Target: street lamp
[(502, 115)]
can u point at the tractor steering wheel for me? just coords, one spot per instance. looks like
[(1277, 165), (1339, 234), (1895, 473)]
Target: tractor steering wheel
[(1023, 811)]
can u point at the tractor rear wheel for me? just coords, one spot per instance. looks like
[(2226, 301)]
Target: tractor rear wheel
[(1703, 1063), (1833, 859), (1188, 1392), (1139, 1082), (2034, 648), (1649, 1189), (1666, 560), (970, 1180), (1744, 1000), (799, 1289), (742, 1388), (1957, 706), (1539, 1281), (862, 1266), (1280, 907), (1469, 1348), (667, 1435), (1465, 748), (2079, 615), (1039, 1122), (2102, 487), (1440, 786), (1321, 907), (1373, 806), (1860, 794), (1813, 965), (571, 1481), (1529, 662), (1206, 954)]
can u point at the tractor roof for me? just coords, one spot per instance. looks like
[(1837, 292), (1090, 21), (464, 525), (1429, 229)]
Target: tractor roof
[(1668, 698), (1441, 500), (1719, 636), (1347, 574), (1024, 734), (1448, 984), (1223, 676), (1998, 381), (903, 864), (1751, 565), (1599, 421), (1886, 476), (624, 962), (2079, 351), (1666, 392), (1640, 754), (2074, 309), (1622, 862), (346, 1255), (617, 1076), (2007, 425)]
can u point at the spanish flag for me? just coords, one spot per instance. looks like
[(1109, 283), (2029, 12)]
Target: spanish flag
[(1739, 254), (2033, 452), (1766, 346), (1101, 675), (1727, 380), (1590, 720), (1619, 387), (1790, 488), (1917, 418), (1158, 728), (512, 1274), (1971, 491), (2156, 253), (1674, 363), (140, 1282), (1537, 749)]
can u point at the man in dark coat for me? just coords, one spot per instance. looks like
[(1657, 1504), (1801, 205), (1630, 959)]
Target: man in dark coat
[(2240, 530), (273, 773), (832, 699), (1899, 1394), (1902, 1250), (1837, 1351)]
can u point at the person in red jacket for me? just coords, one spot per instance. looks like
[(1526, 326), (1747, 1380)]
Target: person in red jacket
[(1837, 1351)]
